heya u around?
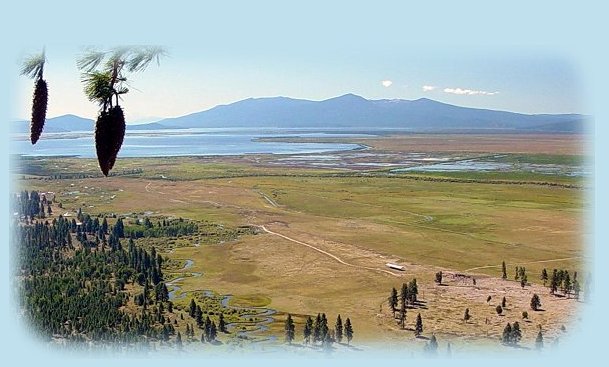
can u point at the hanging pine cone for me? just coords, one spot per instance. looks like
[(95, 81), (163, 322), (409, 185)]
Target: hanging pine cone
[(109, 135), (39, 109)]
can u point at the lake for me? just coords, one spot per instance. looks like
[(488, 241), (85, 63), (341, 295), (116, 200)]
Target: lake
[(190, 142)]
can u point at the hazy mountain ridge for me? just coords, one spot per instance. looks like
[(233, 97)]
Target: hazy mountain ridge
[(351, 111), (70, 123), (347, 111)]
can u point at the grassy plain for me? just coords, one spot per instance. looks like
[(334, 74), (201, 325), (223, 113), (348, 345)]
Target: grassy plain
[(324, 238)]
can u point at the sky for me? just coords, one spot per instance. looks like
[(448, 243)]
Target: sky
[(193, 78)]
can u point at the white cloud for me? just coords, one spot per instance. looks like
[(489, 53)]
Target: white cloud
[(428, 88), (468, 92), (386, 83)]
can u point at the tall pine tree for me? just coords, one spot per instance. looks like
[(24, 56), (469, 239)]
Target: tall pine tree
[(338, 329), (418, 329), (289, 329), (348, 330)]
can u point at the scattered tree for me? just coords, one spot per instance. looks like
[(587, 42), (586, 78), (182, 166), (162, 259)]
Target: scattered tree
[(308, 329), (516, 333), (348, 330), (576, 288), (544, 276), (338, 329), (222, 323), (554, 282), (289, 329), (539, 341), (403, 315), (393, 300), (499, 309), (503, 302), (507, 334), (466, 316), (566, 284), (418, 330), (503, 270), (535, 302), (439, 277), (404, 296)]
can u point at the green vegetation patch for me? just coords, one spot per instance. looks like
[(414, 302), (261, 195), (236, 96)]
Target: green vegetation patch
[(250, 300)]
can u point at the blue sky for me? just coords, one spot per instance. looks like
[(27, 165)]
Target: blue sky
[(197, 77)]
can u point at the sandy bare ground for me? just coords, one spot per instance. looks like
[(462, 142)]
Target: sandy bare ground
[(329, 254), (496, 143)]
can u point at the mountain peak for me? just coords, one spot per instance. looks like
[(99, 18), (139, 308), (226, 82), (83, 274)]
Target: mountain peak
[(351, 96), (347, 97)]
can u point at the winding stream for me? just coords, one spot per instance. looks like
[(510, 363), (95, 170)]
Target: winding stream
[(261, 317)]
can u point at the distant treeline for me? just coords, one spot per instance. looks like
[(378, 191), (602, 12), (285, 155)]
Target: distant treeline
[(163, 228), (81, 175)]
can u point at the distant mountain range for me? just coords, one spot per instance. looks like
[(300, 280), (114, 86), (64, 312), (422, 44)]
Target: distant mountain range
[(346, 112)]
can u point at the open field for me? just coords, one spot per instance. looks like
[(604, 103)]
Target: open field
[(566, 144), (323, 239)]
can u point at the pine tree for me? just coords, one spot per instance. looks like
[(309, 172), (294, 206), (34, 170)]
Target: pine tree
[(289, 329), (324, 326), (503, 270), (404, 294), (207, 328), (503, 302), (554, 281), (338, 329), (413, 291), (393, 300), (539, 341), (566, 284), (222, 324), (466, 316), (535, 302), (199, 316), (576, 289), (317, 329), (308, 329), (516, 333), (403, 315), (326, 343), (544, 276), (499, 309), (213, 331), (507, 334), (418, 330), (348, 330), (439, 277)]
